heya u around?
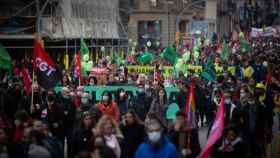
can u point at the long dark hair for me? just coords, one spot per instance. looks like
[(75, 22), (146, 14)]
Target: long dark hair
[(164, 97), (136, 118)]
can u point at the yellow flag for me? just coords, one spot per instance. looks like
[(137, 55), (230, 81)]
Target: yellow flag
[(96, 56), (177, 37), (66, 60), (122, 54)]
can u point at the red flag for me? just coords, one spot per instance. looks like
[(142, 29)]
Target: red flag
[(268, 77), (190, 106), (27, 81), (77, 68), (45, 68), (216, 130)]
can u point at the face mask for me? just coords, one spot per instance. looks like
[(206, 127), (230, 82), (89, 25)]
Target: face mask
[(141, 90), (105, 98), (227, 101), (154, 136), (84, 100), (122, 94), (242, 95), (265, 64), (251, 102), (147, 86)]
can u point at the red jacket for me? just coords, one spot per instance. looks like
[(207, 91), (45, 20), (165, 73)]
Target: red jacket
[(111, 110)]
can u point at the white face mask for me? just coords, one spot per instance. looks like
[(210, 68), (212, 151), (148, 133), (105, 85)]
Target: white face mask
[(265, 64), (227, 101), (122, 94), (154, 137), (242, 94), (251, 102), (105, 98), (84, 100)]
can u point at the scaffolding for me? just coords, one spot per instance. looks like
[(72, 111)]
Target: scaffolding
[(94, 19), (62, 20)]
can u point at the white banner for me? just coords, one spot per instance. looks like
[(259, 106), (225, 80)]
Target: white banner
[(265, 32)]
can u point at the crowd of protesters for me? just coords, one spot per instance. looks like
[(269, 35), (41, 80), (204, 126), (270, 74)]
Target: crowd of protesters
[(122, 125)]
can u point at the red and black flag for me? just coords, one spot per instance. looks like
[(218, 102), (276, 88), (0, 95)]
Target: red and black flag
[(47, 72)]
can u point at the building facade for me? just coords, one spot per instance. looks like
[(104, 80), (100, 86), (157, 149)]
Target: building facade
[(245, 14), (157, 21)]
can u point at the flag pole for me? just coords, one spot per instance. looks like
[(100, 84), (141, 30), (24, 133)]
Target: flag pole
[(76, 56), (37, 37)]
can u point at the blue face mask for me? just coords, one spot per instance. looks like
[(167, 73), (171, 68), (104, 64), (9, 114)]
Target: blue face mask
[(141, 90), (154, 137)]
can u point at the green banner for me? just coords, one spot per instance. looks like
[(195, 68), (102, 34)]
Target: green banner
[(98, 90)]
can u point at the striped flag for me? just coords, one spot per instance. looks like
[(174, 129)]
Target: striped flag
[(190, 106), (216, 130), (77, 66)]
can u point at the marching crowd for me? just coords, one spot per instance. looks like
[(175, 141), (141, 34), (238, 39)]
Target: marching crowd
[(73, 123)]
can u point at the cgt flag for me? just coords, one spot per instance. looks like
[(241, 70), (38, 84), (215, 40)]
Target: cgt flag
[(45, 68)]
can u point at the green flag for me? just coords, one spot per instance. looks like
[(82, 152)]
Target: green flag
[(146, 57), (226, 51), (117, 58), (169, 54), (209, 70), (83, 48), (244, 46), (86, 65), (5, 59)]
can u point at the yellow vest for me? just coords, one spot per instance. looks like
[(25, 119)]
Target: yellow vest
[(219, 70), (232, 70), (248, 72)]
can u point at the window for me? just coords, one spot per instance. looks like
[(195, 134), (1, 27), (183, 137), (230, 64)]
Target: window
[(154, 3), (183, 26), (149, 31)]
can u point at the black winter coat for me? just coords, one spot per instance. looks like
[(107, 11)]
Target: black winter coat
[(191, 141), (133, 136)]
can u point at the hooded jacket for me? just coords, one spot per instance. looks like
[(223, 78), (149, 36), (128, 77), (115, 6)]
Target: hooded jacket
[(163, 150)]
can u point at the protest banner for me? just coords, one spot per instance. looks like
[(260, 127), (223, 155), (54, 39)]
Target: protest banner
[(167, 70), (97, 91)]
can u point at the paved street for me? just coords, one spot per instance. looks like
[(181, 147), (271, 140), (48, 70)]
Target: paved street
[(203, 136)]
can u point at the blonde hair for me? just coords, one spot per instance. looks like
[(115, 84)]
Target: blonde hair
[(99, 129)]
